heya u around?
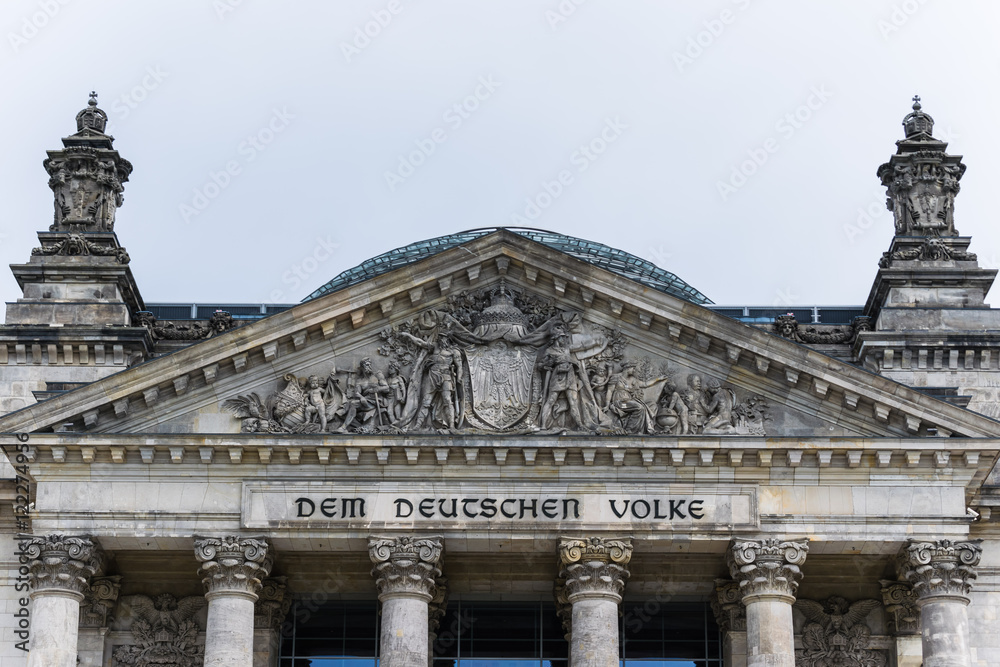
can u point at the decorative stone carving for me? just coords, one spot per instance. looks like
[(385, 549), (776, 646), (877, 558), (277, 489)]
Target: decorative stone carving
[(836, 634), (594, 565), (98, 602), (87, 176), (941, 569), (921, 180), (564, 609), (219, 323), (406, 565), (768, 567), (727, 606), (273, 603), (437, 608), (165, 632), (59, 562), (77, 245), (232, 564), (929, 250), (500, 361), (787, 326), (901, 604)]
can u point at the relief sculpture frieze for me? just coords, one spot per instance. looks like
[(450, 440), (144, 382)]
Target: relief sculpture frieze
[(502, 361)]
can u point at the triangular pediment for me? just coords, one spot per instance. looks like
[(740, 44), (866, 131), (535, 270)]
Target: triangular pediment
[(557, 359)]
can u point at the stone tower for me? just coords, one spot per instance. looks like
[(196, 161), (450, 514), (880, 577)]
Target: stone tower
[(74, 322), (932, 329)]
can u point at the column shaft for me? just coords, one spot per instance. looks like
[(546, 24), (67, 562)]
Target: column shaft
[(595, 632), (770, 634), (229, 631), (54, 628), (403, 642)]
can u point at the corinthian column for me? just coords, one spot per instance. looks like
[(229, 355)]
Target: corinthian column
[(406, 572), (942, 573), (593, 577), (59, 569), (768, 575), (231, 570)]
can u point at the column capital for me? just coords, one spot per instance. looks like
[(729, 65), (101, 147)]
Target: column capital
[(273, 603), (901, 604), (406, 566), (594, 567), (100, 598), (767, 568), (727, 605), (940, 569), (61, 564), (232, 564)]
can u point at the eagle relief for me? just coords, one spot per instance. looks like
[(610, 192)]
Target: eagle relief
[(502, 361)]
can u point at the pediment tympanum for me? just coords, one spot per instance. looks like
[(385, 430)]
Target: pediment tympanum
[(502, 360), (501, 335)]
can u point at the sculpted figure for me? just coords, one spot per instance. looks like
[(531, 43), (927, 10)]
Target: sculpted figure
[(396, 399), (627, 400), (561, 382), (600, 377), (364, 398), (315, 407), (697, 404), (719, 409), (671, 412), (440, 372)]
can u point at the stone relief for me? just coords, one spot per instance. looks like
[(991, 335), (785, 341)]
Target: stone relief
[(76, 244), (787, 326), (930, 250), (836, 634), (219, 323), (165, 632), (502, 361)]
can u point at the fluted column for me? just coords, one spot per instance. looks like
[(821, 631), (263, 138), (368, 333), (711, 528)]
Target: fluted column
[(231, 570), (731, 617), (768, 575), (942, 573), (406, 570), (59, 571), (593, 577)]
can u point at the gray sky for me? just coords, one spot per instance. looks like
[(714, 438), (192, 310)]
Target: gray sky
[(310, 114)]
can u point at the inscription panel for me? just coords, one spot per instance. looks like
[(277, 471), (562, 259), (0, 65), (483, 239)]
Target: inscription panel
[(676, 508)]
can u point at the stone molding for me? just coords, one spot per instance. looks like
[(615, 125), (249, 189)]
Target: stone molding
[(273, 603), (232, 564), (62, 564), (99, 601), (594, 567), (406, 565), (942, 568), (903, 614), (767, 568), (727, 606)]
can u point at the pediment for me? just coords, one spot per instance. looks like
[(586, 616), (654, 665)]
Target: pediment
[(502, 335)]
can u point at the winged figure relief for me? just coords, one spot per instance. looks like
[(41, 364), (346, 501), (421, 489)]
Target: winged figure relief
[(164, 631), (836, 633)]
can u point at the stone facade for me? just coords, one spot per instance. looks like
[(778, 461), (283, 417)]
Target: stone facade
[(500, 421)]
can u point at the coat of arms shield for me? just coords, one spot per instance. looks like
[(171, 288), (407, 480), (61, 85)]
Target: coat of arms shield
[(500, 374)]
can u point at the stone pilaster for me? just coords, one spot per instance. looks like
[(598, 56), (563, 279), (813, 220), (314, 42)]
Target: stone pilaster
[(593, 575), (435, 612), (59, 570), (406, 571), (942, 573), (231, 569), (903, 622), (768, 575), (731, 617), (272, 606)]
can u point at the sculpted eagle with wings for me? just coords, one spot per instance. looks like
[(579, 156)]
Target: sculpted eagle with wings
[(836, 633), (165, 632)]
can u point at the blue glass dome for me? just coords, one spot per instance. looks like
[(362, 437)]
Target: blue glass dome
[(614, 260)]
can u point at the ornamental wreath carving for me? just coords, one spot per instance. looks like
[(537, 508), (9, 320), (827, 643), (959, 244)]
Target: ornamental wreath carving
[(502, 361), (164, 631), (836, 634)]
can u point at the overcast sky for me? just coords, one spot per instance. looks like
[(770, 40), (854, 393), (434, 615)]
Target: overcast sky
[(647, 111)]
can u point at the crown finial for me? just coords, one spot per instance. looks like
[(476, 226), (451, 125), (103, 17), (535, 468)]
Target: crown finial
[(918, 125), (93, 99)]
